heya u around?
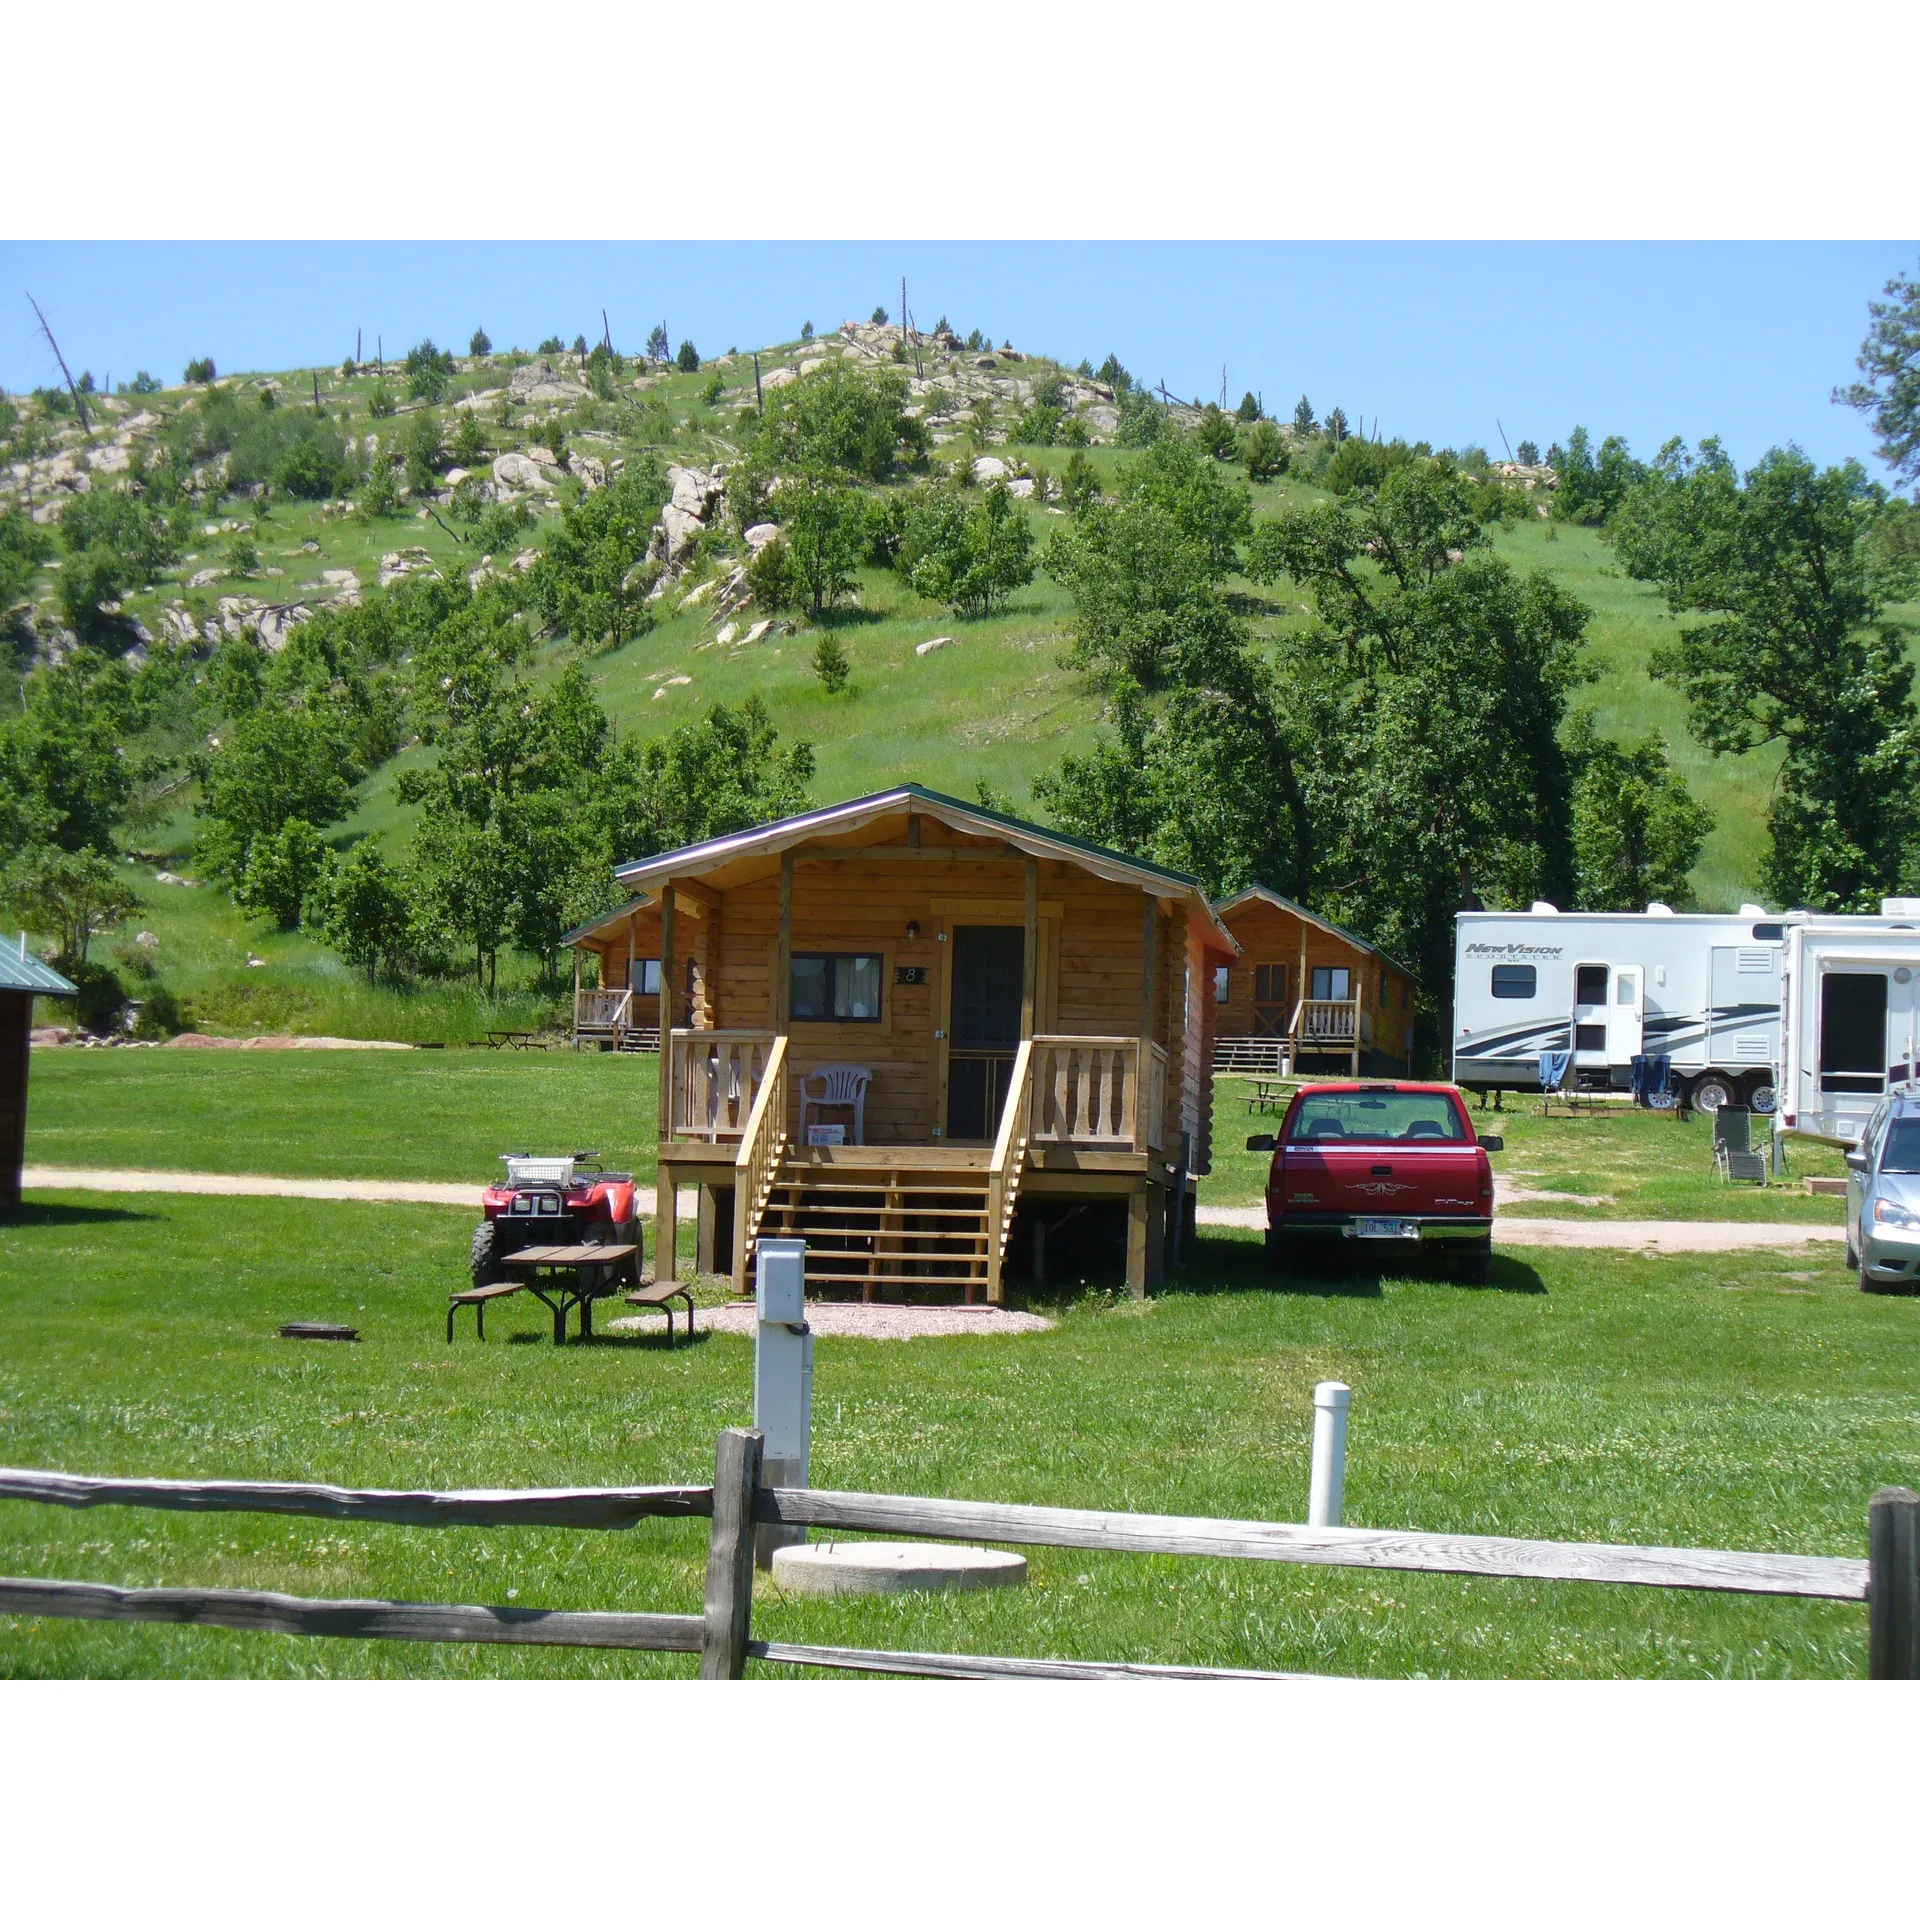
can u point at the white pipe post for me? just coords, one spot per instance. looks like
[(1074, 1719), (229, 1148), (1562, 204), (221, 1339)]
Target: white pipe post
[(782, 1378), (1327, 1496)]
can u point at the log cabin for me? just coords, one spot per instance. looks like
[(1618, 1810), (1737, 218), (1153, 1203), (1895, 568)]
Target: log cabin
[(1305, 994), (21, 977), (915, 1033)]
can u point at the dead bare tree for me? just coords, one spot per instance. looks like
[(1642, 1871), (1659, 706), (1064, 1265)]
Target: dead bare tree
[(79, 400)]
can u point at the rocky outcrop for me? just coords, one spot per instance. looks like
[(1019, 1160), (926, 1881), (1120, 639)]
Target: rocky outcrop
[(396, 566), (539, 384), (516, 470)]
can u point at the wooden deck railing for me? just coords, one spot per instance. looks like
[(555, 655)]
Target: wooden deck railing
[(715, 1074), (1325, 1024), (1887, 1581), (757, 1165), (603, 1009), (1088, 1091), (1008, 1163)]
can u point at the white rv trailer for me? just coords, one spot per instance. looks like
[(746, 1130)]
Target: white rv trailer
[(1850, 997), (1704, 989)]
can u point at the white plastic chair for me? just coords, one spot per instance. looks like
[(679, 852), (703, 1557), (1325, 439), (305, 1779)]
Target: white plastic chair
[(838, 1086)]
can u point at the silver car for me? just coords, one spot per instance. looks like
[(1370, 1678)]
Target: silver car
[(1883, 1198)]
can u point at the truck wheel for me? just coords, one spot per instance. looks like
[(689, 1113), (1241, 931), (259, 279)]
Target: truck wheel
[(1710, 1093), (484, 1261), (1764, 1098)]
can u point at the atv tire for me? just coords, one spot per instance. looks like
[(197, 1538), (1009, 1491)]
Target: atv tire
[(484, 1261)]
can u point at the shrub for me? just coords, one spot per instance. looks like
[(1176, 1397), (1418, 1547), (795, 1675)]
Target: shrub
[(243, 557), (143, 382), (1214, 435), (879, 317), (770, 575), (502, 526), (831, 663), (1073, 432), (1248, 410), (100, 1004), (347, 368), (1080, 484), (974, 341), (688, 358), (282, 869), (1039, 426), (967, 554), (469, 442), (1528, 454), (379, 499), (1265, 451), (1359, 466), (806, 331), (92, 581), (1141, 419), (580, 344), (551, 344), (657, 343), (469, 500), (199, 373), (428, 371), (381, 405), (161, 1015), (425, 451), (479, 346), (716, 387)]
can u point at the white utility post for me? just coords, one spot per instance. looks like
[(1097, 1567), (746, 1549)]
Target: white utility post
[(782, 1378), (1329, 1488)]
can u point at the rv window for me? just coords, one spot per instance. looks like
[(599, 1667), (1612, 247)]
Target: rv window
[(1514, 983), (1589, 986), (1853, 1033), (1590, 1039), (1623, 990), (1764, 931)]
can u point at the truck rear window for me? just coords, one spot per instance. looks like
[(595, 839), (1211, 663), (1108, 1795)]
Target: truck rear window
[(1377, 1116)]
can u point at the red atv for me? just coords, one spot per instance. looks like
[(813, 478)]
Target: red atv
[(552, 1200)]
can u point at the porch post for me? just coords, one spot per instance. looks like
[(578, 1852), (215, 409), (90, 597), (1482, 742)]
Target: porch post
[(666, 1014), (1149, 965), (576, 999), (633, 934), (1029, 972), (783, 966)]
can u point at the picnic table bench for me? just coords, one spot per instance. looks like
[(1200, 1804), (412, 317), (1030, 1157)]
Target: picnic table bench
[(662, 1294), (573, 1276), (477, 1298), (1268, 1096), (515, 1040)]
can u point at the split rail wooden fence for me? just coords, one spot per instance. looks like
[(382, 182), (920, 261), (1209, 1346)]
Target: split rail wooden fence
[(1887, 1581)]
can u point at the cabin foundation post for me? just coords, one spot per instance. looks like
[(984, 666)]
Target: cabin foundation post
[(665, 1201), (1137, 1242), (576, 1000), (705, 1256)]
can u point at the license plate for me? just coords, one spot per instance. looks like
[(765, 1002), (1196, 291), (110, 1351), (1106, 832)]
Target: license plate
[(1386, 1229)]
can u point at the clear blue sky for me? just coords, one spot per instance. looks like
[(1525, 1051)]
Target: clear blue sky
[(1437, 340)]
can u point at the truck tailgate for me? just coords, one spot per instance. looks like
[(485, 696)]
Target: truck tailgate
[(1325, 1178)]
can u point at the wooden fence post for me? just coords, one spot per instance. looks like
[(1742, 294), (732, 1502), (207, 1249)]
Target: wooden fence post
[(1893, 1585), (728, 1614)]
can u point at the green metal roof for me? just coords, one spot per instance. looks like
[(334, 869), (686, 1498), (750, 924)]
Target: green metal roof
[(20, 972)]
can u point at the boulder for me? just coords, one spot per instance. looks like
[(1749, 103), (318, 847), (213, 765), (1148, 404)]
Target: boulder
[(700, 491), (516, 470), (778, 377), (276, 624), (204, 578), (396, 566), (989, 468), (725, 637), (525, 558), (676, 532), (146, 938), (109, 459), (1020, 489), (986, 363), (757, 632), (933, 645), (473, 402), (543, 457), (143, 422), (538, 385), (238, 614), (588, 469), (699, 593), (454, 475), (762, 533)]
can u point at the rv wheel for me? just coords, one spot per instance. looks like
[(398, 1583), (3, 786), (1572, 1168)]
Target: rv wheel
[(1764, 1099), (1710, 1093)]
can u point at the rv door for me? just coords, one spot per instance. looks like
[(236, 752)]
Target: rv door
[(1626, 1016), (1592, 1009), (1855, 1020)]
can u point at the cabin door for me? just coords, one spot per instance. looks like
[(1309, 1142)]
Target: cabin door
[(988, 966)]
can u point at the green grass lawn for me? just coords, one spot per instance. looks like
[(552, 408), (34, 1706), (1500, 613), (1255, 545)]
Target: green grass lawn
[(1750, 1402), (426, 1115)]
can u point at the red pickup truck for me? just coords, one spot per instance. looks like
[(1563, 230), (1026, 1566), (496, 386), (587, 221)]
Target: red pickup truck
[(1370, 1168)]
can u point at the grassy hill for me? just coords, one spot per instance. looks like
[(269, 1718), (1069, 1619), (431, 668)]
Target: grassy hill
[(1000, 705)]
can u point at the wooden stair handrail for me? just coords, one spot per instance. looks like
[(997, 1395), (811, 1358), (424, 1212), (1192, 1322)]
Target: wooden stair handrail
[(757, 1164), (1003, 1171)]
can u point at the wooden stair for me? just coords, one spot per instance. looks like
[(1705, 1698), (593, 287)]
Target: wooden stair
[(884, 1225)]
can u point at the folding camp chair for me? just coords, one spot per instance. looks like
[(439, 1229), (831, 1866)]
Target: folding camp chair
[(1733, 1155)]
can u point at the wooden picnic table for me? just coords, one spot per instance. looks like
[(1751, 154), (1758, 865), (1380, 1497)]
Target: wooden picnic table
[(1268, 1096), (515, 1039), (574, 1275)]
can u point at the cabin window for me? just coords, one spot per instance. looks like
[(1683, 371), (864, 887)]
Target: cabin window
[(836, 986), (1515, 983), (644, 978), (1222, 982), (1332, 983), (1383, 993)]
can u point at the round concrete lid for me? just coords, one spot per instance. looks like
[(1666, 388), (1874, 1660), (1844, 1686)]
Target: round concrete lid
[(892, 1566)]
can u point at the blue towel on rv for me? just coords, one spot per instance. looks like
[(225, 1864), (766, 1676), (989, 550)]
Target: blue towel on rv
[(1554, 1068)]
